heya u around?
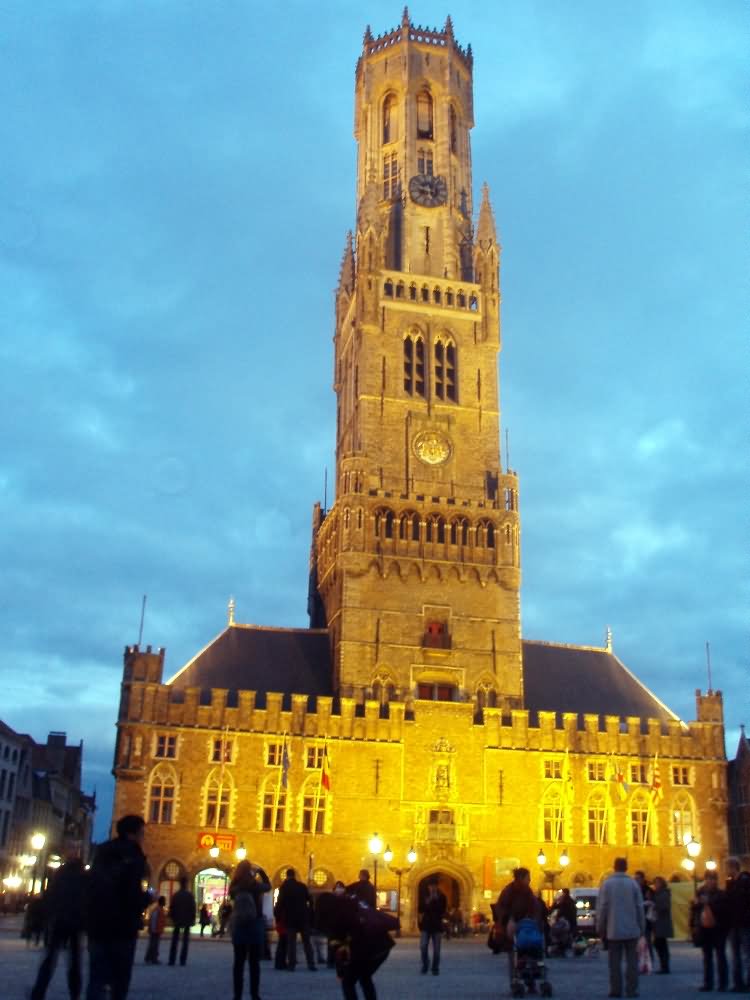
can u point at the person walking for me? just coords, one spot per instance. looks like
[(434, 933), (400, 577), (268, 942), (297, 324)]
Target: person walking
[(661, 898), (157, 921), (204, 917), (709, 924), (182, 915), (64, 903), (648, 910), (620, 920), (738, 905), (247, 924), (294, 910), (115, 902), (363, 889), (432, 907)]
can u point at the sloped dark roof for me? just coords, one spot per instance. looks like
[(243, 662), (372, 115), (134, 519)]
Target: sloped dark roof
[(584, 680), (256, 658)]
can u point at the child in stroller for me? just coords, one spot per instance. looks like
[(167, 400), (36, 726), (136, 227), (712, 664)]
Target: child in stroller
[(527, 960)]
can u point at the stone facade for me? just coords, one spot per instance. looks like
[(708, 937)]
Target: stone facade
[(425, 734)]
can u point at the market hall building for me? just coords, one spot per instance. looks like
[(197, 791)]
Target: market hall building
[(412, 707)]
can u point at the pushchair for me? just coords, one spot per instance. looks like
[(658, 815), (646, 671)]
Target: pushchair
[(560, 938), (527, 961)]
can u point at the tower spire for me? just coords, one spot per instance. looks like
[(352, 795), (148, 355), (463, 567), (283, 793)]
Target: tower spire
[(486, 231), (405, 22)]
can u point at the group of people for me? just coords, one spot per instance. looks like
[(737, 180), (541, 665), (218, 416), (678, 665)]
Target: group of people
[(720, 915)]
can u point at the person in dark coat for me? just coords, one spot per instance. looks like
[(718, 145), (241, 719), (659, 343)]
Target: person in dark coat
[(204, 918), (182, 915), (432, 908), (515, 903), (360, 938), (363, 889), (566, 908), (709, 924), (294, 909), (248, 934), (661, 898), (738, 902), (114, 911), (64, 908)]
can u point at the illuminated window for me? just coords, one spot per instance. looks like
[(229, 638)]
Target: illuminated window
[(553, 769), (553, 819), (638, 774), (314, 757), (441, 825), (680, 774), (436, 692), (166, 746), (683, 820), (221, 750), (161, 797), (597, 770), (314, 802), (274, 751), (274, 805), (641, 830), (424, 115), (390, 119), (217, 803), (596, 819)]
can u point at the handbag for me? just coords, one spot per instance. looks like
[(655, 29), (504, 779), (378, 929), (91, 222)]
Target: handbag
[(644, 957)]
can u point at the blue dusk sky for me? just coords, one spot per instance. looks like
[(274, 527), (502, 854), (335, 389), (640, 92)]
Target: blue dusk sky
[(176, 184)]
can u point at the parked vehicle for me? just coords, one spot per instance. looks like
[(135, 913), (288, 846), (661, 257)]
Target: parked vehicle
[(585, 900)]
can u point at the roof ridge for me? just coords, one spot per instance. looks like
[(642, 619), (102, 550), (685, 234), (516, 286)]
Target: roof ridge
[(568, 645)]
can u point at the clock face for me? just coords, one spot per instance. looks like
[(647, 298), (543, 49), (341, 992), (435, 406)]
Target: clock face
[(428, 190)]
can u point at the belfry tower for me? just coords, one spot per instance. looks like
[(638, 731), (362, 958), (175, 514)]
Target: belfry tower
[(417, 563)]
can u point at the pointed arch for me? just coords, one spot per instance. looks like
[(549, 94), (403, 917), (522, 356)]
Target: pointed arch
[(460, 529), (314, 806), (389, 118), (162, 794), (485, 695), (414, 357), (408, 526), (425, 129), (383, 517), (485, 534), (597, 827), (445, 368), (435, 528), (641, 826), (383, 688), (683, 819), (552, 816)]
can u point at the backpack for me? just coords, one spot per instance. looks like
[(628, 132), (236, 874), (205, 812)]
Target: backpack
[(245, 910)]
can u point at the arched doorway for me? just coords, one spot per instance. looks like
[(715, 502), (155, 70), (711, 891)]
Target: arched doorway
[(454, 881), (447, 884), (211, 888)]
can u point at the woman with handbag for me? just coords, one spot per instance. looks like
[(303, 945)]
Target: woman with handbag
[(708, 923)]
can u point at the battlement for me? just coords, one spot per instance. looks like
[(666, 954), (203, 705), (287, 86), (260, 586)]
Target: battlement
[(443, 294), (407, 32), (362, 718)]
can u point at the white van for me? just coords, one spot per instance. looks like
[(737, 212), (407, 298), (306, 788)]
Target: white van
[(585, 900)]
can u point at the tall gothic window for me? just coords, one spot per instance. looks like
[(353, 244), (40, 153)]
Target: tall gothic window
[(390, 176), (486, 534), (460, 531), (161, 796), (218, 796), (274, 804), (384, 523), (408, 527), (314, 802), (445, 370), (414, 365), (454, 131), (424, 161), (424, 115), (553, 817), (641, 829), (596, 819), (683, 824), (390, 119)]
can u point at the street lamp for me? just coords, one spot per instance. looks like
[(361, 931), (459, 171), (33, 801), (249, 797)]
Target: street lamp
[(564, 859), (241, 852), (411, 857), (214, 851), (376, 846), (710, 865), (693, 848), (38, 841), (541, 858)]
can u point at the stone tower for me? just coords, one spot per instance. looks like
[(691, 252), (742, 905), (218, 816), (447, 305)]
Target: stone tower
[(415, 567)]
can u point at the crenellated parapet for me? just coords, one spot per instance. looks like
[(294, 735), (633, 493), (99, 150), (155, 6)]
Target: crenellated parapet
[(408, 32)]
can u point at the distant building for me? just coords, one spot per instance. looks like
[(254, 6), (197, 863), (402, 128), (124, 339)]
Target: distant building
[(40, 792), (739, 801), (412, 707)]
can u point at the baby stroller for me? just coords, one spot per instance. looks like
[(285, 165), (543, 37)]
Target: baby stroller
[(527, 961), (560, 938)]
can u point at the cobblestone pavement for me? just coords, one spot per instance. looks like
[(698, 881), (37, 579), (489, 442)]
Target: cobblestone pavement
[(468, 970)]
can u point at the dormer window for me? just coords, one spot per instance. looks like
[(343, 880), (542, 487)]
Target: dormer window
[(424, 115)]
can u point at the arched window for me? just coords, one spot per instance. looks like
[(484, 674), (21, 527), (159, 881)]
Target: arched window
[(414, 365), (597, 827), (553, 816), (314, 804), (445, 370), (218, 800), (486, 534), (486, 696), (347, 517), (273, 813), (408, 527), (460, 531), (390, 176), (161, 795), (683, 820), (384, 523), (436, 295), (453, 129), (435, 528), (424, 161), (424, 115), (390, 119), (383, 690), (641, 825)]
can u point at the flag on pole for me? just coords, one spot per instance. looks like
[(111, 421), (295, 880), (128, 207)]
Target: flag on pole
[(325, 777), (656, 792), (284, 765), (619, 788)]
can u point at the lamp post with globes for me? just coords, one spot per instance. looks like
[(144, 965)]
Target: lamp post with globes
[(375, 846), (693, 848), (411, 857), (38, 841)]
